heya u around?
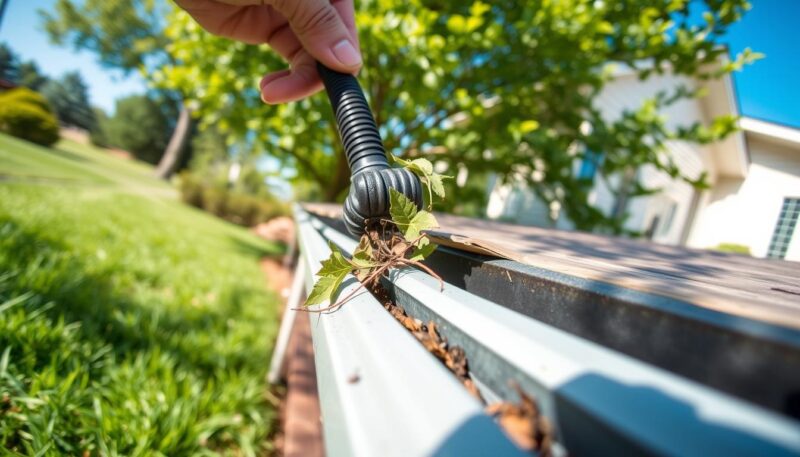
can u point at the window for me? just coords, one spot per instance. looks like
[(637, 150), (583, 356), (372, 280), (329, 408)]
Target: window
[(663, 210), (669, 216), (591, 160), (784, 230)]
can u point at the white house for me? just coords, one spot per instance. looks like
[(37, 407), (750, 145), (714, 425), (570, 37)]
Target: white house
[(759, 210), (754, 200)]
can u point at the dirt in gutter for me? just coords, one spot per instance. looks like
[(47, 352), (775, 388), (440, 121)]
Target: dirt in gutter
[(522, 422)]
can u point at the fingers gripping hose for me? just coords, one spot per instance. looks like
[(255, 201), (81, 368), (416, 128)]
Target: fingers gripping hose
[(371, 176)]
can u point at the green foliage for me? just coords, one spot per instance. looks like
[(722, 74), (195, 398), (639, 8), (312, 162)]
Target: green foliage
[(244, 198), (139, 127), (126, 36), (29, 75), (97, 134), (498, 87), (333, 271), (423, 168), (26, 114), (28, 122), (69, 97), (26, 96), (362, 256), (9, 63), (241, 208), (123, 35), (213, 159), (118, 337), (25, 74), (733, 248), (411, 223), (365, 262)]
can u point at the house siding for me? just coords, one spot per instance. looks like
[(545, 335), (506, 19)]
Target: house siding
[(518, 204), (745, 211)]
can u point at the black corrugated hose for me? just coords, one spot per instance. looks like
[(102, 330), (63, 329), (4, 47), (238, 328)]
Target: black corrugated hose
[(371, 176)]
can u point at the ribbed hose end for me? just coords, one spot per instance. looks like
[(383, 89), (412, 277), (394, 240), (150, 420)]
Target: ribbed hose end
[(371, 176), (368, 199)]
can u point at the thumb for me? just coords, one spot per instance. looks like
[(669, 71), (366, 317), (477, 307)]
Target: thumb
[(322, 32)]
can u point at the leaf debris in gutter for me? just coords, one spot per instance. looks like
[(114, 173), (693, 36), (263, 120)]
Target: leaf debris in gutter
[(522, 422)]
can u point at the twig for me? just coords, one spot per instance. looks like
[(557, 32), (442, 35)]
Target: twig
[(419, 264)]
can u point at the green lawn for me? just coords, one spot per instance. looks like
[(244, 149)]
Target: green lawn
[(130, 324)]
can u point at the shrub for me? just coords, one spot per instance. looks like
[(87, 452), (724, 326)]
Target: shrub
[(190, 189), (237, 207), (733, 248), (98, 134), (25, 114), (25, 95), (139, 127)]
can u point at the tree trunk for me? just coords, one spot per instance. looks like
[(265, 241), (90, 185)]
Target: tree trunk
[(627, 180), (172, 155)]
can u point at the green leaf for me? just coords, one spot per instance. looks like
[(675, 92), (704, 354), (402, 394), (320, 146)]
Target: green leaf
[(528, 126), (362, 257), (410, 221), (334, 269), (335, 264), (423, 168), (4, 361), (361, 262), (420, 167), (605, 27), (324, 290), (457, 23), (435, 182), (478, 8), (422, 221), (422, 252), (401, 209), (15, 301)]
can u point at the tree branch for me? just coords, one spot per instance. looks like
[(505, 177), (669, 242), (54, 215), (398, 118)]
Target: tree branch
[(306, 164)]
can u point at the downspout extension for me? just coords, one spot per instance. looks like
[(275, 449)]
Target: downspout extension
[(371, 177)]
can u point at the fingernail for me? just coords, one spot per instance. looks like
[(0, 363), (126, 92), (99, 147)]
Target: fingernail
[(264, 96), (346, 54)]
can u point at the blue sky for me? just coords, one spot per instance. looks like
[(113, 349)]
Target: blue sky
[(770, 88), (767, 90), (21, 30)]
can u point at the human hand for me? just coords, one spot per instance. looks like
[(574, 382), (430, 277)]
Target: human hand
[(302, 31)]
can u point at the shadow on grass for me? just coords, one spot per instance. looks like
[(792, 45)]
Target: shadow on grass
[(48, 180), (194, 335), (63, 153), (255, 250)]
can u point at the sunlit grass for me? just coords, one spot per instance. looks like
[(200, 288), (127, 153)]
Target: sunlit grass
[(129, 324), (20, 159)]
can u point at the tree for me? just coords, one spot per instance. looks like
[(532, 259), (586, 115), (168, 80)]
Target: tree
[(26, 74), (69, 97), (139, 127), (98, 134), (126, 36), (30, 76), (505, 87), (9, 63), (213, 160)]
